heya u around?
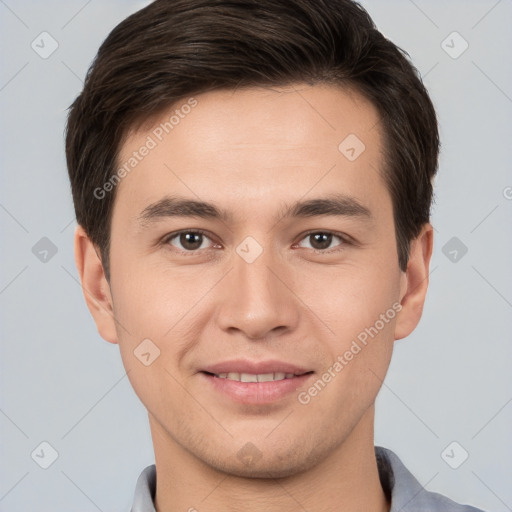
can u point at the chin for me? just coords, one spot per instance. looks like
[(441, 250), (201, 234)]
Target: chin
[(266, 470), (263, 465)]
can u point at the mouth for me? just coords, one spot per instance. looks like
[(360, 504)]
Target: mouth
[(256, 377), (255, 388)]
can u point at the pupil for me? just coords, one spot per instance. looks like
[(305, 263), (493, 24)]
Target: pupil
[(191, 240), (321, 240)]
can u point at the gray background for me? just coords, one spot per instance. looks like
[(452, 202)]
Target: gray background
[(449, 381)]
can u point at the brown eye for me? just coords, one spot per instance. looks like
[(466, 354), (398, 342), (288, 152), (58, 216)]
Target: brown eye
[(321, 240), (188, 241)]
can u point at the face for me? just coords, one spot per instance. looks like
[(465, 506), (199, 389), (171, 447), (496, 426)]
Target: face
[(257, 237)]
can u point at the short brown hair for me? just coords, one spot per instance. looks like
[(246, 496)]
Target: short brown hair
[(175, 48)]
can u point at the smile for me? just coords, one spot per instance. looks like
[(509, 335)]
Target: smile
[(251, 377), (256, 388)]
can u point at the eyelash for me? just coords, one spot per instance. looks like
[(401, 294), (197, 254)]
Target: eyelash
[(345, 240)]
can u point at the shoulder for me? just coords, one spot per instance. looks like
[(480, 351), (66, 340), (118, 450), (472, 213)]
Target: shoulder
[(406, 493)]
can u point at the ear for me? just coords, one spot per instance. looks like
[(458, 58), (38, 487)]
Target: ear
[(95, 286), (414, 283)]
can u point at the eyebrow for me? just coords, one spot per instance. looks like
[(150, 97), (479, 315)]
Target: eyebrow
[(173, 206)]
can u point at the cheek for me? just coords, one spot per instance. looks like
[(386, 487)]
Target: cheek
[(360, 307), (150, 300), (169, 307), (152, 314), (349, 300), (358, 353)]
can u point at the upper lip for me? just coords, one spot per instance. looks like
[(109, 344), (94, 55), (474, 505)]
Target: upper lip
[(255, 367)]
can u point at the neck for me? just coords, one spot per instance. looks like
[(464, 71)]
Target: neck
[(347, 480)]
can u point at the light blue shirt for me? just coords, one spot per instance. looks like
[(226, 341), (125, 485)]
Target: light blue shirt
[(405, 492)]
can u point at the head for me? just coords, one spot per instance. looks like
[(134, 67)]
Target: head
[(308, 145)]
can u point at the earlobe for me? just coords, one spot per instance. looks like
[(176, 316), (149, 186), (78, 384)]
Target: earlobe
[(415, 283), (95, 286)]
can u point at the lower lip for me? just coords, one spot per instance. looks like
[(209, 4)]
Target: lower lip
[(257, 392)]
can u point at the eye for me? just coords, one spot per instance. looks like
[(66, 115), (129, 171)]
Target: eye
[(189, 240), (321, 240)]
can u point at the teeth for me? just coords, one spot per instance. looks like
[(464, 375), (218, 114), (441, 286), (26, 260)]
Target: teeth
[(248, 377), (251, 377)]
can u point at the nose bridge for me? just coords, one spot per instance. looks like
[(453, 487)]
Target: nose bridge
[(257, 300)]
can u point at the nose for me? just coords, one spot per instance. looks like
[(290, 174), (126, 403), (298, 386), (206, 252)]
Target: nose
[(258, 299)]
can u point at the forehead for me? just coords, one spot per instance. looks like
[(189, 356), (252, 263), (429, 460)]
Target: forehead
[(254, 143)]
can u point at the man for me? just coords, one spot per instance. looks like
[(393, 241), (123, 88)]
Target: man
[(252, 182)]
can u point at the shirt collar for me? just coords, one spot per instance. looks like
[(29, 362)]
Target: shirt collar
[(145, 491)]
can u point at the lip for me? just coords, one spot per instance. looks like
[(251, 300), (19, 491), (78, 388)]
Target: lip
[(256, 393), (246, 366)]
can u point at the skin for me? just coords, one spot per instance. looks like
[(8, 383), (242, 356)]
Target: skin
[(250, 152)]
